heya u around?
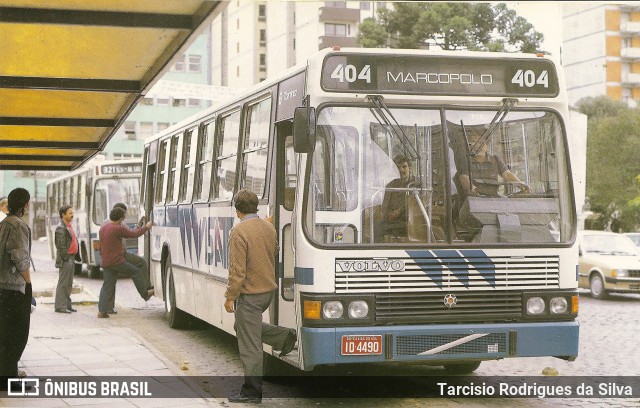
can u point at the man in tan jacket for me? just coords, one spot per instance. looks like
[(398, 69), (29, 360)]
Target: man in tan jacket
[(250, 291)]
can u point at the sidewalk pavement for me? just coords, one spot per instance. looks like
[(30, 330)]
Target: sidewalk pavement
[(87, 348)]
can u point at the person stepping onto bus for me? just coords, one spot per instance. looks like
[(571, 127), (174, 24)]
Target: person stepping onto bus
[(113, 262), (250, 291), (133, 259), (66, 244)]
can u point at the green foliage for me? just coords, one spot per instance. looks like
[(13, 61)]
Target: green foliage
[(613, 168), (451, 25), (600, 106)]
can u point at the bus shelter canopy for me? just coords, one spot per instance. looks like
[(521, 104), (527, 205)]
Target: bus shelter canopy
[(72, 70)]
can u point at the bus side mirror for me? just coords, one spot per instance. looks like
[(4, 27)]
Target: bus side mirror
[(304, 129)]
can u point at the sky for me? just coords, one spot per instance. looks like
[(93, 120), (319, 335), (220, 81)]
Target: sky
[(546, 18)]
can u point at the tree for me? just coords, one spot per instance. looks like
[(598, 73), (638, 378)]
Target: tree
[(613, 144), (452, 26)]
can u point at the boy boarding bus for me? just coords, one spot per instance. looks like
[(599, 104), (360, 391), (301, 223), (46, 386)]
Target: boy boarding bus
[(91, 191), (465, 153)]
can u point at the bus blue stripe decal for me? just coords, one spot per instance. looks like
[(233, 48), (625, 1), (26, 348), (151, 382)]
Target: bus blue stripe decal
[(460, 262), (458, 267), (482, 264), (429, 264), (303, 276)]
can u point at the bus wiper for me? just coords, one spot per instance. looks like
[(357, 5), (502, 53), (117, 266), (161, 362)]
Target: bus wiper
[(384, 116), (507, 104)]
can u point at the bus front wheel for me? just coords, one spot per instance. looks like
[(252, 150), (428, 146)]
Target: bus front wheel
[(461, 368), (176, 318)]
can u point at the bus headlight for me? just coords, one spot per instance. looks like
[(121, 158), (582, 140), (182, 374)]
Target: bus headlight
[(558, 305), (332, 310), (535, 306), (358, 309)]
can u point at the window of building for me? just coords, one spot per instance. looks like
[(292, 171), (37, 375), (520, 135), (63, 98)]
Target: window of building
[(179, 65), (262, 12), (195, 63), (162, 126), (263, 37), (365, 5), (256, 143), (238, 23), (338, 30), (147, 101), (381, 4), (146, 130), (130, 130), (163, 101), (179, 102), (238, 71), (193, 103), (263, 59), (237, 47), (335, 4)]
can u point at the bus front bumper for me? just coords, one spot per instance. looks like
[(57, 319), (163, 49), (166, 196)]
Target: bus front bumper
[(438, 343)]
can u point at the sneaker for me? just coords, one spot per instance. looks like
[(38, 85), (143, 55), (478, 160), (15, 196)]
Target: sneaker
[(102, 315), (289, 343), (150, 293), (245, 398)]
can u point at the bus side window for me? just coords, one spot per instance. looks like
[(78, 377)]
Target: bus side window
[(290, 174), (225, 176), (256, 145)]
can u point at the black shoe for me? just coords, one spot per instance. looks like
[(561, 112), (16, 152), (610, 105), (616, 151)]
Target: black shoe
[(63, 311), (112, 311), (244, 398), (289, 343), (102, 315), (72, 309)]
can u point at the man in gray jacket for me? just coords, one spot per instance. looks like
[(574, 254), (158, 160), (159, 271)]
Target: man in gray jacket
[(15, 286), (66, 249)]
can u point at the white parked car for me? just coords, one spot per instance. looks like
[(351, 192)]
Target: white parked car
[(635, 237), (609, 262)]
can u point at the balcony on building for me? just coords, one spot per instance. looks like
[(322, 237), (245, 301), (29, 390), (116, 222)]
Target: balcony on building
[(341, 14), (333, 40), (630, 53), (630, 27), (631, 80)]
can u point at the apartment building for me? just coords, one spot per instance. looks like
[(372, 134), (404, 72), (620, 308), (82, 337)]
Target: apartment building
[(255, 39), (601, 50)]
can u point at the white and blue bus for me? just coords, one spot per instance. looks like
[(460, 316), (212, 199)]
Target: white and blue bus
[(469, 278), (92, 190)]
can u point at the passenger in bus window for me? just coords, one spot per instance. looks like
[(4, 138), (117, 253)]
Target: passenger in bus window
[(66, 244), (393, 226), (485, 169), (113, 262), (133, 259), (250, 291), (4, 208)]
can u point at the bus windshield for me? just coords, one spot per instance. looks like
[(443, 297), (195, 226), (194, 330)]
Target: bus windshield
[(407, 176), (109, 191)]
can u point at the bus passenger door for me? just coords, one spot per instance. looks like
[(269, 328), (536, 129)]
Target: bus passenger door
[(287, 180)]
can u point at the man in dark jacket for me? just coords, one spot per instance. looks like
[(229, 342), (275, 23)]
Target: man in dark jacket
[(66, 250), (15, 286)]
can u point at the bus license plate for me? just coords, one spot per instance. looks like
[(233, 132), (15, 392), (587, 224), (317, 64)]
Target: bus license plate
[(361, 345)]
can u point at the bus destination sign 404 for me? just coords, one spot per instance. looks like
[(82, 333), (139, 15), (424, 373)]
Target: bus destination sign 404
[(439, 75)]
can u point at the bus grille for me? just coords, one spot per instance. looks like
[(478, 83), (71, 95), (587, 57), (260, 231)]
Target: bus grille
[(463, 272), (449, 344), (405, 308)]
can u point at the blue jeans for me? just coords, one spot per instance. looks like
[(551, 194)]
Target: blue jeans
[(110, 278)]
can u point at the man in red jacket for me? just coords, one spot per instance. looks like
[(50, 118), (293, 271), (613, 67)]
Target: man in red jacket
[(113, 261)]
